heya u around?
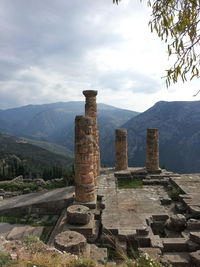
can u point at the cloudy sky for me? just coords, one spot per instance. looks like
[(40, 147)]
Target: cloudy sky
[(51, 50)]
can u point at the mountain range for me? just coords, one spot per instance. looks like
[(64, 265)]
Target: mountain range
[(179, 136), (51, 126), (54, 123)]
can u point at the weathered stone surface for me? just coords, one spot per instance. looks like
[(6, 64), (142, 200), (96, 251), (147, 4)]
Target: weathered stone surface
[(175, 244), (121, 149), (195, 257), (40, 182), (84, 163), (98, 255), (19, 232), (18, 179), (193, 224), (176, 223), (71, 241), (177, 259), (152, 150), (195, 237), (45, 202), (78, 214), (154, 253)]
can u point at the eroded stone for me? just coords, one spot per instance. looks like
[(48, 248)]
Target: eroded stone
[(71, 242), (78, 214)]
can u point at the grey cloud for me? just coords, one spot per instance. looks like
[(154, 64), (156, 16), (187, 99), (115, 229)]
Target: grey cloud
[(55, 36), (131, 80)]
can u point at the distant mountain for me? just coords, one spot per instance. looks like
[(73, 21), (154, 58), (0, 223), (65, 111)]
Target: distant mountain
[(54, 123), (179, 131), (19, 157)]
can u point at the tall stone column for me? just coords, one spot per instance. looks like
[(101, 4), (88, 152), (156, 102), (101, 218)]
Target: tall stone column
[(121, 149), (91, 111), (152, 150), (84, 151)]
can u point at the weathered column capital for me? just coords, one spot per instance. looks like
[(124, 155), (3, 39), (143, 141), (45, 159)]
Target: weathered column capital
[(121, 132), (90, 93)]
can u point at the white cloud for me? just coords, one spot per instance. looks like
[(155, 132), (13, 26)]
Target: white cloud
[(52, 50)]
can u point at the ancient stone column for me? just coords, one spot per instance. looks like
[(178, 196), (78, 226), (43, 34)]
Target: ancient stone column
[(84, 151), (91, 111), (152, 151), (121, 149)]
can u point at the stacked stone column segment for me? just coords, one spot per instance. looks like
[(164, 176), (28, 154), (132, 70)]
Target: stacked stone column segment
[(84, 168), (152, 150), (121, 149)]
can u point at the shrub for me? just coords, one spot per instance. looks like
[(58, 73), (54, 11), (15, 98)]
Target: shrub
[(17, 187), (6, 260), (174, 194)]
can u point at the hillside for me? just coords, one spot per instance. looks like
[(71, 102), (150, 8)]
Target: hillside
[(54, 123), (179, 130), (19, 157)]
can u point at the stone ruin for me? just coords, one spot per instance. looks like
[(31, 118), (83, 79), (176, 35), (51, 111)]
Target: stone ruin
[(161, 217)]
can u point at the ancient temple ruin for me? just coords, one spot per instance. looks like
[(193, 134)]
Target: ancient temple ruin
[(145, 209)]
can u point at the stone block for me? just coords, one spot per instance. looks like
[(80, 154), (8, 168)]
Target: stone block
[(78, 214), (195, 257), (71, 242), (176, 259), (193, 224), (175, 244), (195, 237)]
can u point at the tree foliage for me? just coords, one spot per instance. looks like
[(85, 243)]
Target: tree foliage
[(176, 22)]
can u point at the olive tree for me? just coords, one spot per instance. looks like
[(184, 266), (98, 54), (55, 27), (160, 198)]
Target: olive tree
[(176, 22)]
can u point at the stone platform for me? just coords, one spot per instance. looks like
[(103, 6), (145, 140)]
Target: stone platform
[(127, 217), (43, 202)]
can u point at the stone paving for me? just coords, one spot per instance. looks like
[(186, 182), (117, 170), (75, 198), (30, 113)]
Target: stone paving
[(126, 210), (142, 217)]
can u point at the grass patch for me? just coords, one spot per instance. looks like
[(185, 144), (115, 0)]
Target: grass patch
[(136, 183), (174, 194), (17, 187), (82, 263)]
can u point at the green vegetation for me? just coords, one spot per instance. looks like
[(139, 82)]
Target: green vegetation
[(82, 263), (20, 158), (33, 220), (136, 183), (57, 149), (174, 194), (17, 187), (6, 260), (143, 261), (38, 255)]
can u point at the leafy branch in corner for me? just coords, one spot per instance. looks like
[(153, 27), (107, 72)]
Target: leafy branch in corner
[(176, 22)]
